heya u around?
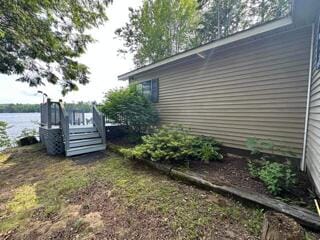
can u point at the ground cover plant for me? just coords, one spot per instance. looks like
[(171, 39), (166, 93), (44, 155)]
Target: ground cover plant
[(173, 144), (104, 196)]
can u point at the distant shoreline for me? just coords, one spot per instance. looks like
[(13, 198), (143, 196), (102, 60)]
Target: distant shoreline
[(19, 112)]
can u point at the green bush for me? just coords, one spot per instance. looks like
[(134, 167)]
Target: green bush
[(277, 177), (175, 145), (130, 108), (206, 149), (4, 139)]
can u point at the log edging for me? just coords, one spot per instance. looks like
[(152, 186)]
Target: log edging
[(304, 216)]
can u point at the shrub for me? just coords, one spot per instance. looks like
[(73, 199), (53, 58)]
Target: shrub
[(206, 149), (175, 145), (4, 139), (277, 177), (27, 137), (127, 106)]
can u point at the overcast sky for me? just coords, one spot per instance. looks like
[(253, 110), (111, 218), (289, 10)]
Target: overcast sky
[(102, 58)]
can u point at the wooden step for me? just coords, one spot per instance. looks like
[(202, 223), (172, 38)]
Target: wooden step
[(82, 130), (81, 136), (85, 149), (84, 142)]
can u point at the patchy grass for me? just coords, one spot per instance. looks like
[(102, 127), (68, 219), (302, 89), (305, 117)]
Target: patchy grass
[(54, 197)]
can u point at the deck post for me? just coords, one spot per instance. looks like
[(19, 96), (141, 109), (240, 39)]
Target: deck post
[(49, 112)]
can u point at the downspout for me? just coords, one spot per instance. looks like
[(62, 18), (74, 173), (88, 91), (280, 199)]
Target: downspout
[(303, 160)]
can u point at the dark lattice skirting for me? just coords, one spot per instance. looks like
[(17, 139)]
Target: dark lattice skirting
[(52, 139)]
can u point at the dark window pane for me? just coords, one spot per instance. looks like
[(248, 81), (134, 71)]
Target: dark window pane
[(155, 90)]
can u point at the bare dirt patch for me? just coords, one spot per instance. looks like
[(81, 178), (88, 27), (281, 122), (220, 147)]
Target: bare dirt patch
[(116, 221)]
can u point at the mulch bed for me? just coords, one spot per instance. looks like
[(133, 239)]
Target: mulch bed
[(233, 171)]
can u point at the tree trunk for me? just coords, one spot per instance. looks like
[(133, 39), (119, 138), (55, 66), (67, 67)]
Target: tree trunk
[(277, 226)]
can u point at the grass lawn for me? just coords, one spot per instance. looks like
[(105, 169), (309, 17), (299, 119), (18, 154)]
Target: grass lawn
[(103, 196)]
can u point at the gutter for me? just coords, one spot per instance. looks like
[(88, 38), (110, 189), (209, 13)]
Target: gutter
[(303, 160)]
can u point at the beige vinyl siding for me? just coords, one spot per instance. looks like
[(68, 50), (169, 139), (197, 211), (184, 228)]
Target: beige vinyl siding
[(256, 89), (313, 137)]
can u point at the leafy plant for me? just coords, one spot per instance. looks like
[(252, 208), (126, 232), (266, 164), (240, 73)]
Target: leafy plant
[(159, 29), (4, 139), (277, 177), (130, 108), (206, 149), (253, 169), (43, 40), (175, 145)]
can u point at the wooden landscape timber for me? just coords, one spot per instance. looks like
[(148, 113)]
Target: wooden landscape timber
[(305, 217)]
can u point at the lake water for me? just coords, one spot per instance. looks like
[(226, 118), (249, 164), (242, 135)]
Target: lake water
[(20, 121)]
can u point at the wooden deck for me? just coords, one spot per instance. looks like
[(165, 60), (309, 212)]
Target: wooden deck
[(59, 134)]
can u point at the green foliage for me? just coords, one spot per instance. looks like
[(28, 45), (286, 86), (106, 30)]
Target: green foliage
[(206, 149), (41, 40), (277, 177), (224, 17), (159, 29), (4, 139), (175, 145), (129, 107)]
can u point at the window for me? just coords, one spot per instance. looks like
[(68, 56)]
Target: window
[(150, 89)]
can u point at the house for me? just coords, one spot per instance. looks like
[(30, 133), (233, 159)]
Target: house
[(263, 82)]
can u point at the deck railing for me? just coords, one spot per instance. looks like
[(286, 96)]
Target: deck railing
[(50, 113), (98, 120), (64, 123)]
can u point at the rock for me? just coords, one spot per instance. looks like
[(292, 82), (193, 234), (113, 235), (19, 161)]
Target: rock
[(277, 226), (26, 141)]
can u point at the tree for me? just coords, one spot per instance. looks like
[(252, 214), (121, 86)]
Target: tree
[(221, 18), (127, 106), (159, 29), (266, 10), (42, 39)]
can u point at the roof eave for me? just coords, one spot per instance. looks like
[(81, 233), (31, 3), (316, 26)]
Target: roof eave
[(283, 22)]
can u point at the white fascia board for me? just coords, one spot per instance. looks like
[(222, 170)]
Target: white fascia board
[(233, 38)]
